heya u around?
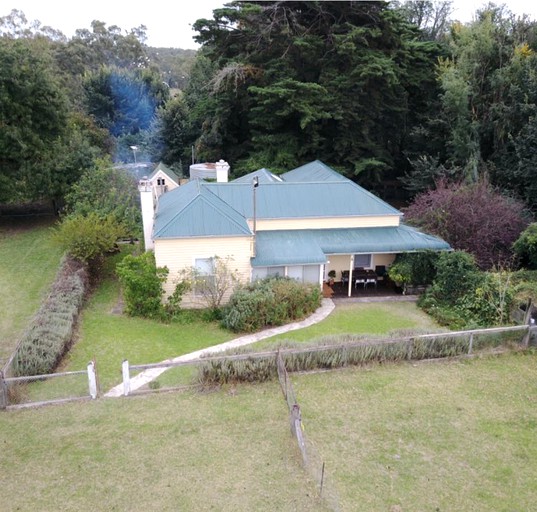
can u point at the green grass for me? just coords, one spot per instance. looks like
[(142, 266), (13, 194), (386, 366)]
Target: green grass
[(225, 451), (361, 318), (29, 261), (109, 338), (444, 436), (439, 437)]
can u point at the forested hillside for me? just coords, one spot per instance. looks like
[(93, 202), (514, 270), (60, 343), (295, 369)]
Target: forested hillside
[(395, 95)]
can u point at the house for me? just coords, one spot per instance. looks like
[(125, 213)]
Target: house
[(301, 224)]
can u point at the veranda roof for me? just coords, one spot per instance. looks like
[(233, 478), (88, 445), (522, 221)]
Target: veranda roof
[(311, 247)]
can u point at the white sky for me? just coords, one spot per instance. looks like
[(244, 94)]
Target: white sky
[(168, 24)]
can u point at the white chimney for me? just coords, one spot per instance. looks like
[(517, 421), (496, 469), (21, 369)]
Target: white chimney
[(222, 170), (148, 210)]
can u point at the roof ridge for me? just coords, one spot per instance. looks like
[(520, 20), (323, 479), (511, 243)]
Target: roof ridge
[(222, 209)]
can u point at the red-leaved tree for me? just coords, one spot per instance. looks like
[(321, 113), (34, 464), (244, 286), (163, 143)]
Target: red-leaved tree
[(471, 217)]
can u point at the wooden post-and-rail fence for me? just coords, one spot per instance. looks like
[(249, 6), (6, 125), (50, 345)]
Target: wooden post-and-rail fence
[(90, 371)]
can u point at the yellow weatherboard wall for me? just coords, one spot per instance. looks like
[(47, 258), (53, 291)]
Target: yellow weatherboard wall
[(179, 254)]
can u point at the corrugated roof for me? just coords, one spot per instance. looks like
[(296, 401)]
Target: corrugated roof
[(192, 210), (297, 244), (313, 171), (264, 176), (275, 248), (230, 204), (302, 200)]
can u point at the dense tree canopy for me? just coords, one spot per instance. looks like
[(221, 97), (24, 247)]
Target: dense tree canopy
[(294, 81), (390, 93), (33, 113)]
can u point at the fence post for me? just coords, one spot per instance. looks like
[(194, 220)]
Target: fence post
[(3, 392), (527, 322), (126, 378), (92, 380), (410, 348), (471, 344)]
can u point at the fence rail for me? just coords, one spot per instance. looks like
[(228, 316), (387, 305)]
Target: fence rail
[(411, 346), (9, 384)]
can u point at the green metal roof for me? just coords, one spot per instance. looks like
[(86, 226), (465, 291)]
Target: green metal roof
[(192, 210), (263, 175), (200, 208), (313, 171), (312, 246), (296, 200)]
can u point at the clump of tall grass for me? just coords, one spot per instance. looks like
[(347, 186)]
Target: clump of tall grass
[(338, 351), (51, 330)]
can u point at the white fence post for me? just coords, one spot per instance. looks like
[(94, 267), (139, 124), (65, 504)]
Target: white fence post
[(471, 343), (126, 378), (92, 380)]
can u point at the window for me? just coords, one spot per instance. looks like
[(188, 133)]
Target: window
[(206, 276), (161, 181), (362, 260), (276, 271), (296, 272), (259, 273), (304, 273), (311, 273)]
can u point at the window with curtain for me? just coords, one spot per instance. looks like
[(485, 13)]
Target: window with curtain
[(362, 260)]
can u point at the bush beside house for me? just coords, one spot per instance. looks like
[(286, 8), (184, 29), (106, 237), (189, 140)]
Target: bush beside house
[(269, 302)]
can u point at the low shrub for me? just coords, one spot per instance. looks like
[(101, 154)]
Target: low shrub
[(50, 332), (346, 350), (269, 302), (525, 247), (88, 238), (463, 297)]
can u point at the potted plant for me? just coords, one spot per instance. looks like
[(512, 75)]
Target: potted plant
[(331, 277)]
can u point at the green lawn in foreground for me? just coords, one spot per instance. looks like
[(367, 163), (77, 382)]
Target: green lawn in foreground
[(447, 436), (29, 261), (362, 318), (444, 436), (229, 450)]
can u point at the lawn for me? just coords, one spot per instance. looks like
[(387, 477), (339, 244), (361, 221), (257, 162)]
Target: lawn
[(110, 337), (229, 450), (362, 318), (444, 436), (29, 261)]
